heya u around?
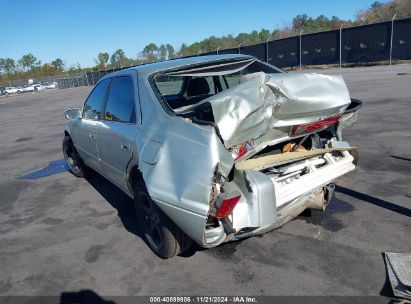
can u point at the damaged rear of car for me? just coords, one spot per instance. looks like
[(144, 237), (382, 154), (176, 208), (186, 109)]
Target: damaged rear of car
[(220, 147), (280, 142)]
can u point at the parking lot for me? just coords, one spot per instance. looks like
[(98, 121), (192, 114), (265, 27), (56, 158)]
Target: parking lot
[(61, 234)]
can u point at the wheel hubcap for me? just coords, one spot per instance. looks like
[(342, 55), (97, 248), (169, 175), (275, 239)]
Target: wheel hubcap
[(151, 223), (71, 157)]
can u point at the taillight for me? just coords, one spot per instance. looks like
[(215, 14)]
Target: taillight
[(310, 127), (241, 150), (227, 206)]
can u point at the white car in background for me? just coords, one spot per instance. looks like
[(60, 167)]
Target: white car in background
[(28, 88), (34, 87), (10, 90), (51, 85), (39, 87)]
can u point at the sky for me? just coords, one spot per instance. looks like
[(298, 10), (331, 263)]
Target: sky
[(76, 31)]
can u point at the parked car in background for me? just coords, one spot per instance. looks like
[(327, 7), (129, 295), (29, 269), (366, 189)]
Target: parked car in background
[(28, 88), (10, 90), (34, 87), (39, 87), (51, 85), (214, 148)]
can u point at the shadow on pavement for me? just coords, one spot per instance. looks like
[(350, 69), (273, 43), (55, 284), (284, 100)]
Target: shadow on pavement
[(375, 201), (125, 209), (119, 201), (54, 167)]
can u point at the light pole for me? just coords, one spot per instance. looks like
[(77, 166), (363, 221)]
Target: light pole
[(392, 36), (300, 48), (239, 48), (342, 24), (217, 50)]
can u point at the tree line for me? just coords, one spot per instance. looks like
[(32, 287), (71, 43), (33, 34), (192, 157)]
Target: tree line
[(29, 66)]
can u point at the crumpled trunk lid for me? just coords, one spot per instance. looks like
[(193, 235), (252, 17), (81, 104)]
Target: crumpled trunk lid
[(269, 101)]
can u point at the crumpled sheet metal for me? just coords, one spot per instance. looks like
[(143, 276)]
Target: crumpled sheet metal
[(243, 112), (266, 101), (217, 69)]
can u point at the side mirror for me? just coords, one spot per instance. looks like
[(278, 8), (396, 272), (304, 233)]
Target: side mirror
[(72, 114)]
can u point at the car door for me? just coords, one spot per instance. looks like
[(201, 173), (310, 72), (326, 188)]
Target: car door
[(118, 128), (85, 132)]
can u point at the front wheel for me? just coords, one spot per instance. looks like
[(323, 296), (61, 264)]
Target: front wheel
[(163, 237), (73, 159)]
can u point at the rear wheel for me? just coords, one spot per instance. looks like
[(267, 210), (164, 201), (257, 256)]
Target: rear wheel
[(73, 159), (161, 234)]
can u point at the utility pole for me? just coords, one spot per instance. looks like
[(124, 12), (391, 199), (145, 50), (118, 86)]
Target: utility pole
[(266, 49), (342, 24), (392, 37), (300, 48), (239, 48)]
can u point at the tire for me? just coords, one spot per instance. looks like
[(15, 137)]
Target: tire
[(74, 161), (164, 238)]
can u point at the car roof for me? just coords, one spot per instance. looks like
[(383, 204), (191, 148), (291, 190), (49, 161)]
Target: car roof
[(147, 69)]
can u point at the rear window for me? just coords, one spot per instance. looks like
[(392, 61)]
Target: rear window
[(169, 85), (190, 85)]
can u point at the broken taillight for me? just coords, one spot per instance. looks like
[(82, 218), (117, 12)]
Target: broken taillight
[(311, 127), (227, 206), (241, 150)]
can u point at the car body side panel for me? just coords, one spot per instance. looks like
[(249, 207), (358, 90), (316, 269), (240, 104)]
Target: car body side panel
[(84, 135), (179, 167), (115, 142)]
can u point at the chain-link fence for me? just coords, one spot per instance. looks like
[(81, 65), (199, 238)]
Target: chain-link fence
[(385, 41)]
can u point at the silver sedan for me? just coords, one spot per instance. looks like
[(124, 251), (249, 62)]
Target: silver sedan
[(214, 148)]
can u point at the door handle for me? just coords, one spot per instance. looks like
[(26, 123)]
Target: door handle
[(92, 136), (124, 147)]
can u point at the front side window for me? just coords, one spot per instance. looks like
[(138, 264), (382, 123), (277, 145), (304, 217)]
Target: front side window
[(120, 103), (94, 103)]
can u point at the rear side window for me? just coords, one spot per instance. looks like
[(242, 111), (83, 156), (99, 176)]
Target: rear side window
[(94, 103), (120, 103)]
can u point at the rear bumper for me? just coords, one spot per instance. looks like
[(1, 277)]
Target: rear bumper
[(287, 192), (269, 201)]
